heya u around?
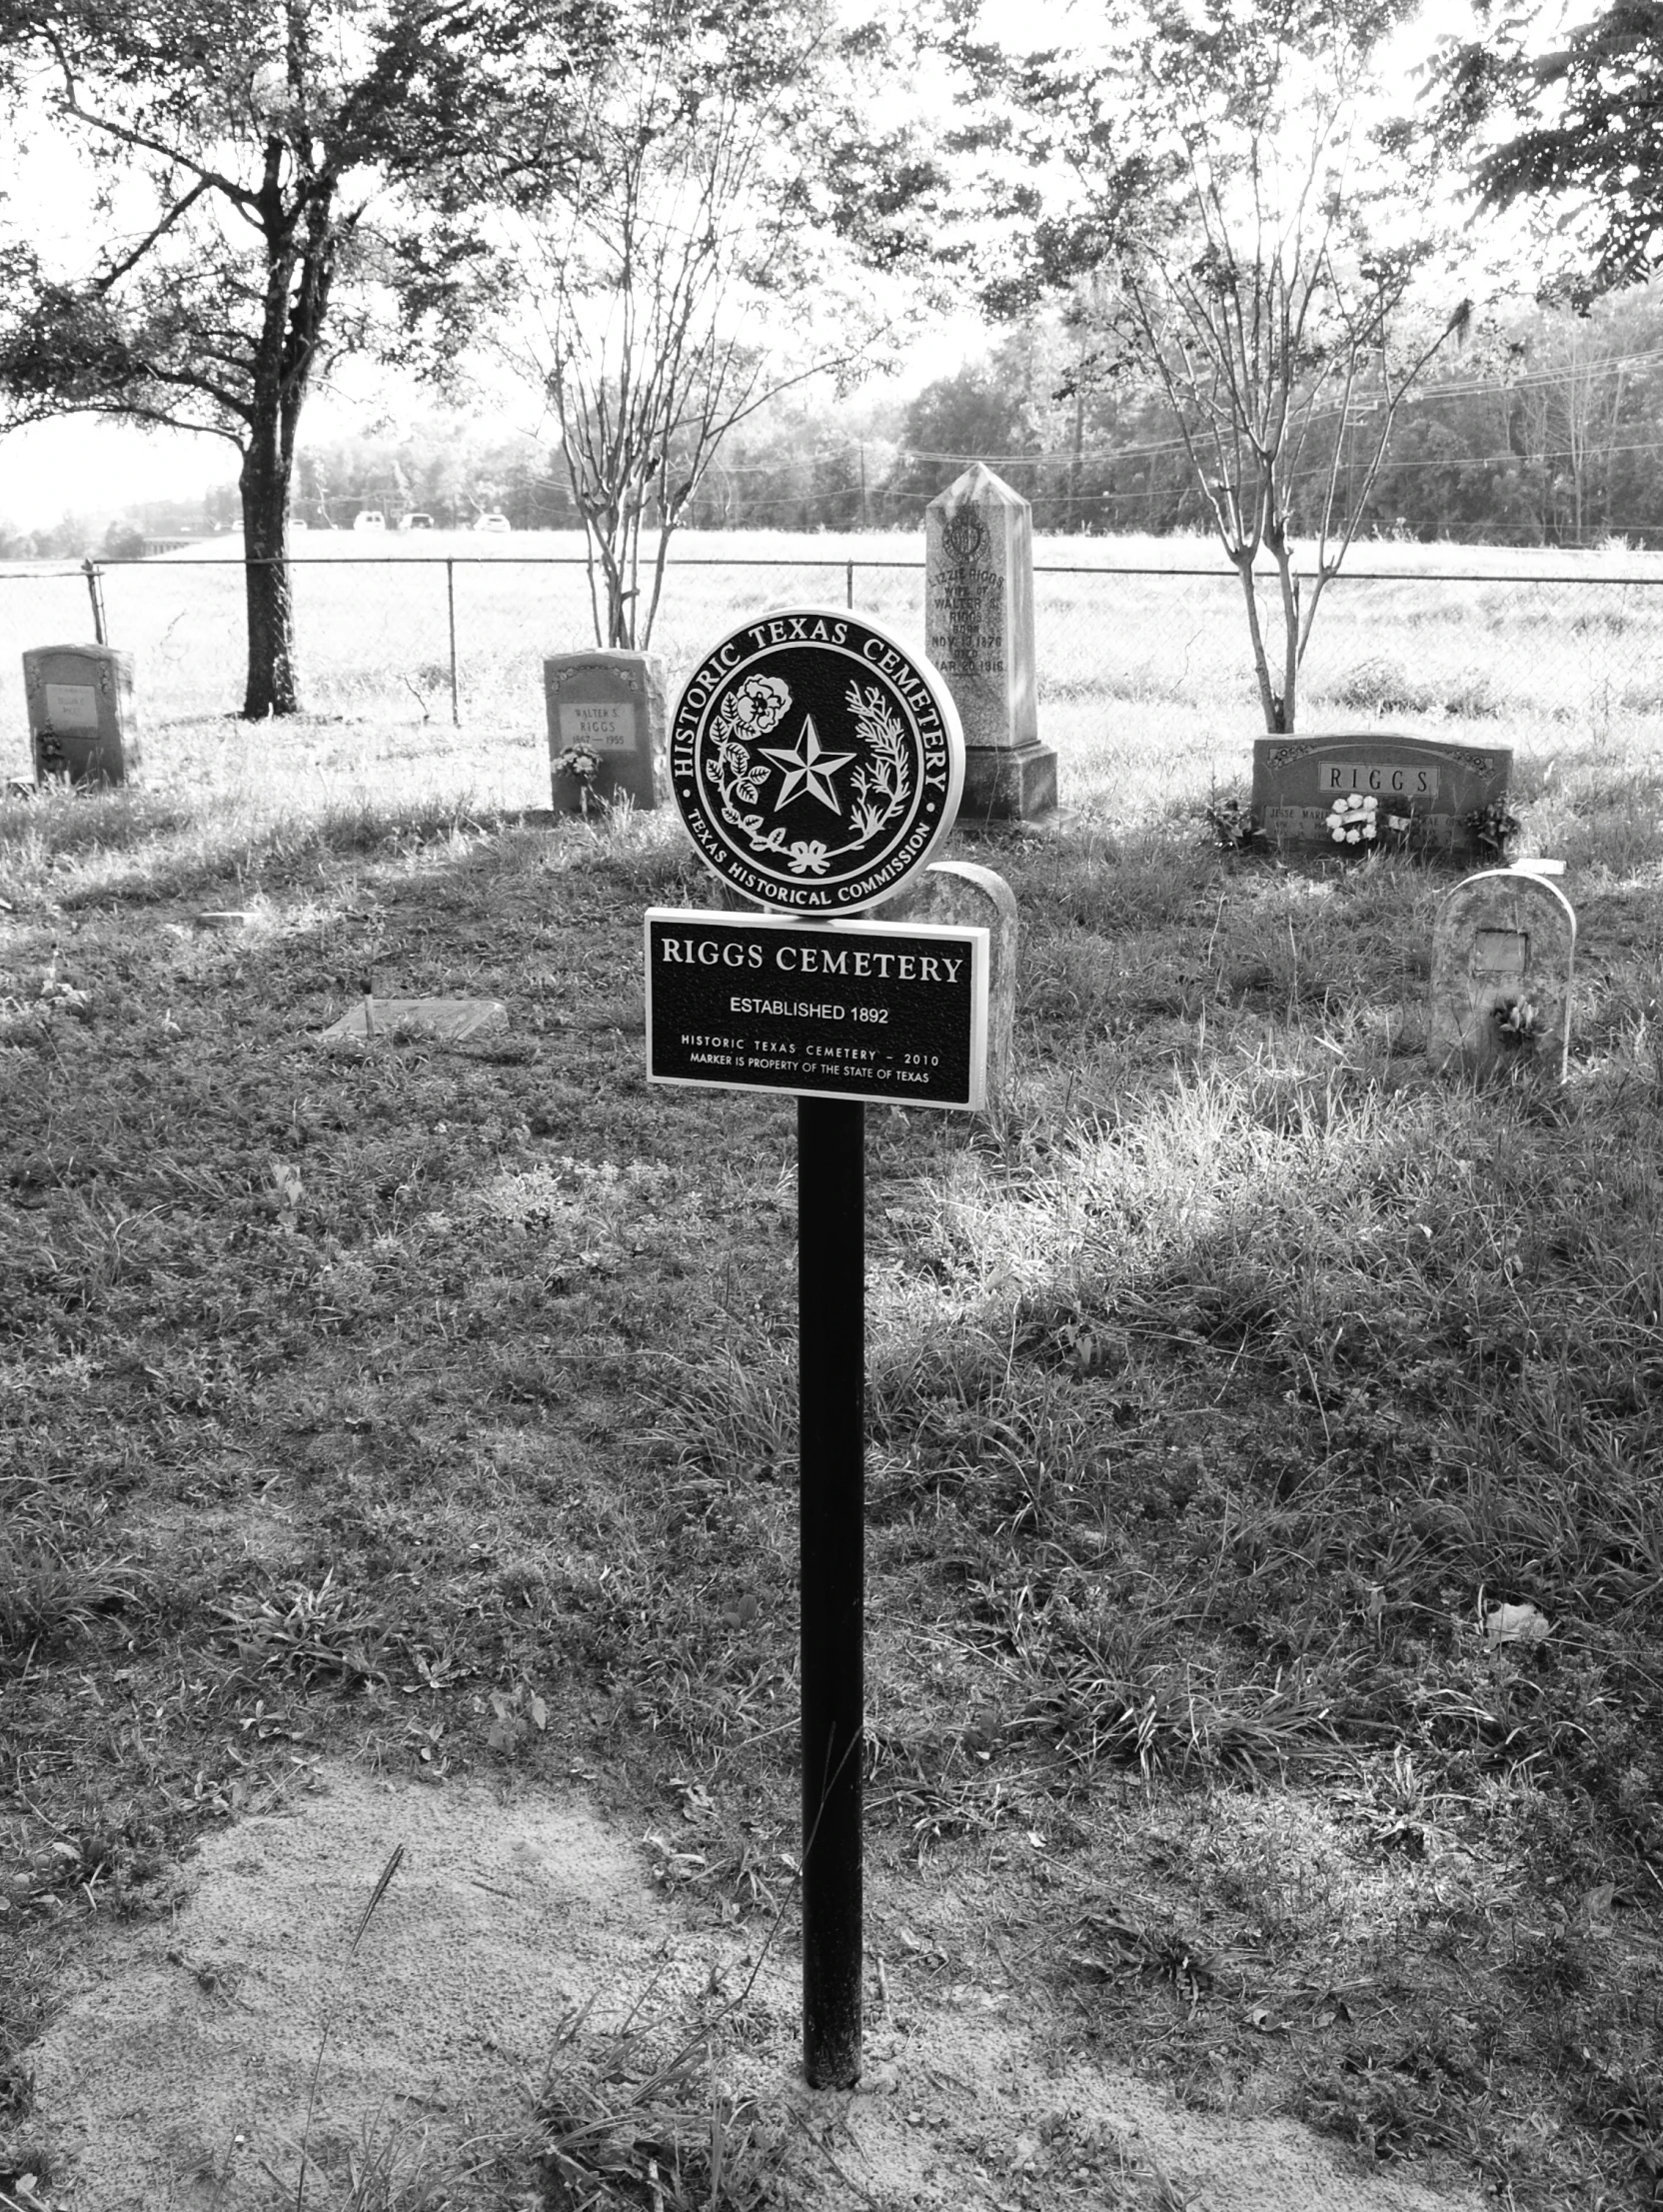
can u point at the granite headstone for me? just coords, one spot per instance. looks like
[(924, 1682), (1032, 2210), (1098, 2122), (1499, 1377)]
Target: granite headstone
[(1426, 792), (606, 728), (83, 724)]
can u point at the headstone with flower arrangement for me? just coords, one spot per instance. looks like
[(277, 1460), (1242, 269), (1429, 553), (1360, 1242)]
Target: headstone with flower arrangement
[(978, 632), (605, 710), (1502, 947), (83, 724), (1382, 791)]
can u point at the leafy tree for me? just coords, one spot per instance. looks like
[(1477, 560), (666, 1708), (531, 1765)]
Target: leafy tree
[(985, 411), (722, 254), (804, 461), (1554, 440), (1231, 233), (1575, 119), (272, 187)]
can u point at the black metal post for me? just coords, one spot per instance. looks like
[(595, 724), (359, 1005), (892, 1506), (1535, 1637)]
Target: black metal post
[(831, 1325)]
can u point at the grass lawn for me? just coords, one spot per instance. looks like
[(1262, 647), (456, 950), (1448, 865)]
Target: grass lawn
[(433, 1409)]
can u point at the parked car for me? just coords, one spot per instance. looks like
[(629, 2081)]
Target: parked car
[(368, 518), (497, 523), (416, 519)]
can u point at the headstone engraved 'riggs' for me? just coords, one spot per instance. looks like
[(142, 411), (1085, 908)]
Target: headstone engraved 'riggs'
[(1426, 792), (1502, 948), (606, 728), (978, 631), (815, 760), (83, 724)]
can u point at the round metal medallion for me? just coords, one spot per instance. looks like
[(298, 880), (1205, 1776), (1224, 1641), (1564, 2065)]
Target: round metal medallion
[(817, 761)]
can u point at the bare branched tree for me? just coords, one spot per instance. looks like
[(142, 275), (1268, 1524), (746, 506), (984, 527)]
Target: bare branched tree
[(698, 275), (1284, 333), (1238, 234)]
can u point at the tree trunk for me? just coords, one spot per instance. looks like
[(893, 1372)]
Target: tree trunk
[(270, 594), (1276, 720)]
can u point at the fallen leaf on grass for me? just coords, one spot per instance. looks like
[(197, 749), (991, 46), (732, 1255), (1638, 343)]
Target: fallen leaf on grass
[(1594, 1912), (696, 1800), (1516, 1625), (1125, 1935), (1259, 2018), (674, 1866), (1094, 1969)]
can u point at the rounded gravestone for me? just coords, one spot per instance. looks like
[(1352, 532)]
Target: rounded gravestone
[(816, 760), (1502, 949)]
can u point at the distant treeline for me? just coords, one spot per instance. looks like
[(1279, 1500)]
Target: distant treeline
[(1549, 430)]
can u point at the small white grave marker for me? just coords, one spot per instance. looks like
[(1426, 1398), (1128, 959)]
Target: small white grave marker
[(447, 1020), (1502, 948)]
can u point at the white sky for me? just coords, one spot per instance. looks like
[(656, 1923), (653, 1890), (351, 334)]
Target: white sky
[(79, 466)]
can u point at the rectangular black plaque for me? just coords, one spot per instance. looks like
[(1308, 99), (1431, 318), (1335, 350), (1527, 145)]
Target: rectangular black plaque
[(872, 1010)]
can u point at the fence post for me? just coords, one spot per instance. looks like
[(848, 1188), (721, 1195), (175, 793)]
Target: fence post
[(450, 610), (95, 587)]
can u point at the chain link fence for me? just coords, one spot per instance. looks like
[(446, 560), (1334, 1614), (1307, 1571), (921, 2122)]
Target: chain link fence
[(460, 637)]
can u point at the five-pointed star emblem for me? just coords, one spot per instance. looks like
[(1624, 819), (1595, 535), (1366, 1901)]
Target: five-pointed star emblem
[(809, 768)]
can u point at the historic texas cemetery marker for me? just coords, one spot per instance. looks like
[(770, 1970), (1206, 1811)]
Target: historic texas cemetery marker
[(817, 763)]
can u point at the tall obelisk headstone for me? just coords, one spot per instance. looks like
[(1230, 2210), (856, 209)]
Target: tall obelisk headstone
[(978, 631)]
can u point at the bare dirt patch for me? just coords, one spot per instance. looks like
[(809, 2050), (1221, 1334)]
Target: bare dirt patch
[(192, 2058)]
